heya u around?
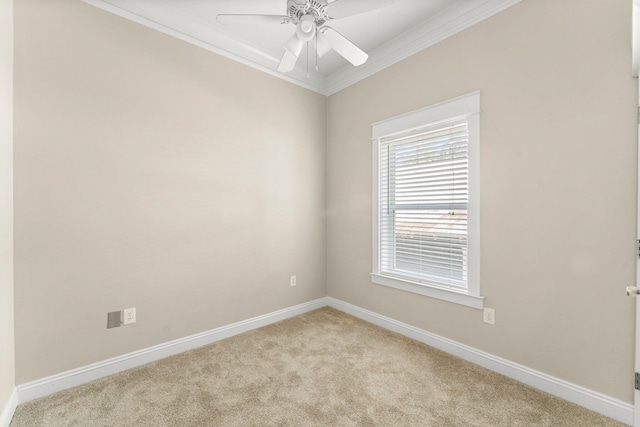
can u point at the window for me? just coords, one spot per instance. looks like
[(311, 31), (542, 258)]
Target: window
[(426, 195)]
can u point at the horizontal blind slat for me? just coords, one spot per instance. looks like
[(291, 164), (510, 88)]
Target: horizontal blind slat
[(423, 200)]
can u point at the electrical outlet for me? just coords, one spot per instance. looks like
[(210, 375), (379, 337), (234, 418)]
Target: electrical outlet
[(490, 316), (293, 281), (129, 316)]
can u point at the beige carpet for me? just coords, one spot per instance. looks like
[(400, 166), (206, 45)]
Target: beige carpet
[(324, 368)]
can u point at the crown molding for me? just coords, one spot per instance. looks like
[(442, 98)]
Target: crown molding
[(203, 35), (452, 21), (173, 22)]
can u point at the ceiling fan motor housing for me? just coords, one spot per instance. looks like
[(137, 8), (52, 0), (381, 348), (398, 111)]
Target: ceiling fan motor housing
[(310, 17), (317, 8)]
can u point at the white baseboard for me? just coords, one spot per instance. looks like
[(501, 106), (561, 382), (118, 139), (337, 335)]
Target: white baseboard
[(605, 405), (7, 412), (55, 383), (613, 408)]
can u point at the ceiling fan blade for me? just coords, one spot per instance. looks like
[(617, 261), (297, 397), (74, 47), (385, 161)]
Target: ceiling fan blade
[(236, 19), (291, 52), (294, 45), (344, 47), (287, 62), (323, 45), (343, 8)]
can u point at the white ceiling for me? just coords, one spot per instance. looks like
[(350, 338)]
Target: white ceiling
[(388, 35)]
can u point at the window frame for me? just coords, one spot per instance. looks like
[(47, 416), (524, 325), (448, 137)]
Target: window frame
[(465, 106)]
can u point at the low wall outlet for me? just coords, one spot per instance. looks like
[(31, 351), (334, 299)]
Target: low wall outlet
[(129, 316), (293, 281), (490, 316)]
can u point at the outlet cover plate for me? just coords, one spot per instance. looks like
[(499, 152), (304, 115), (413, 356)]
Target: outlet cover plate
[(490, 316), (129, 316)]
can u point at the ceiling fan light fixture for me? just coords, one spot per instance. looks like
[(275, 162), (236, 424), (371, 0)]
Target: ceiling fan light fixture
[(306, 28), (310, 17)]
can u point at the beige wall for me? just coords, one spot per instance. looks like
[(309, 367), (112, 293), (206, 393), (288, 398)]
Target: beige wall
[(154, 174), (7, 365), (150, 173), (558, 173)]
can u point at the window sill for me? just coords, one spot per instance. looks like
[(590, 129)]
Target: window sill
[(474, 301)]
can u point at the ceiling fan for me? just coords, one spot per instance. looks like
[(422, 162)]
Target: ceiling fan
[(310, 18)]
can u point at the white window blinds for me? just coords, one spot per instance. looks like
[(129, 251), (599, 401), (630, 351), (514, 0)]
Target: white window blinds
[(423, 196)]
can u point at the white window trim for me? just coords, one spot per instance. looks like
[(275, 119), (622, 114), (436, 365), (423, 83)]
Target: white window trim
[(464, 106)]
